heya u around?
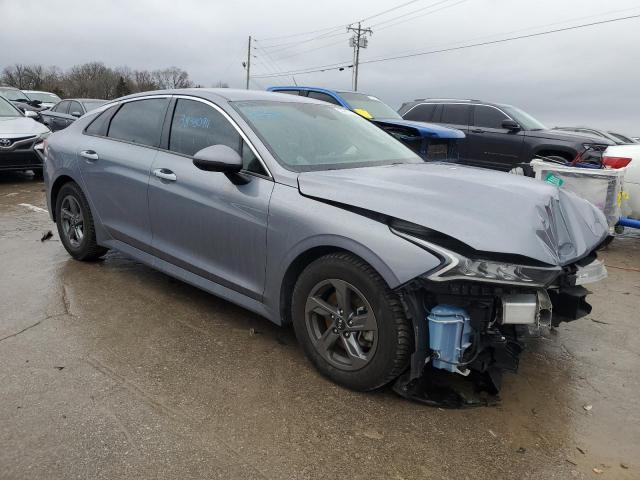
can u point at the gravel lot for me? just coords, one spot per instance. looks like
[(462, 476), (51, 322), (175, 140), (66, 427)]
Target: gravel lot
[(112, 370)]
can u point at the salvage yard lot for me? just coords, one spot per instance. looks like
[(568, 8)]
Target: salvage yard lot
[(113, 370)]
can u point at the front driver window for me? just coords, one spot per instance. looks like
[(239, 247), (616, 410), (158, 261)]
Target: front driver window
[(196, 125), (488, 117)]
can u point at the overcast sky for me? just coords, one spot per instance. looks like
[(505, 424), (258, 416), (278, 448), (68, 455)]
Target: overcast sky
[(589, 76)]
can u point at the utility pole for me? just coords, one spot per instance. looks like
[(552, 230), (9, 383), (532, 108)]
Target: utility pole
[(248, 62), (358, 41)]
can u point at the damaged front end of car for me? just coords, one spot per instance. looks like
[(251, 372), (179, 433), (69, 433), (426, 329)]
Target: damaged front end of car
[(473, 314)]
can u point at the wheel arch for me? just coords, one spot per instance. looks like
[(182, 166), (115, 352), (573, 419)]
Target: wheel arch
[(555, 150), (303, 257), (55, 189)]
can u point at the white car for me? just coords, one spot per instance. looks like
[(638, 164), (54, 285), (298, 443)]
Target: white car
[(46, 99), (620, 155)]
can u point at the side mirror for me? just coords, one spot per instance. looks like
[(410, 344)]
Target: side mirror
[(511, 125), (30, 114), (76, 114), (218, 158)]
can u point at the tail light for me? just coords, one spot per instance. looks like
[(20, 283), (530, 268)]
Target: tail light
[(615, 162)]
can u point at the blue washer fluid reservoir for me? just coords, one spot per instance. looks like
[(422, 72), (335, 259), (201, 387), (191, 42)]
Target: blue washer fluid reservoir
[(449, 337)]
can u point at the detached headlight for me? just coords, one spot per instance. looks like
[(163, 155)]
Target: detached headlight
[(458, 267)]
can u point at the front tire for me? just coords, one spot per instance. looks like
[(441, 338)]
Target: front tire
[(350, 324), (75, 224)]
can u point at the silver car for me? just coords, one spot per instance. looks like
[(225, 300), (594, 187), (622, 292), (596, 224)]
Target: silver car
[(305, 212)]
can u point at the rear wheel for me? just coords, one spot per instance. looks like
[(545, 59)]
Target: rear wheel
[(350, 324), (75, 224)]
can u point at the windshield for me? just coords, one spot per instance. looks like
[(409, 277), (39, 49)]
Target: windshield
[(306, 137), (44, 97), (8, 110), (90, 105), (369, 104), (13, 94), (526, 121)]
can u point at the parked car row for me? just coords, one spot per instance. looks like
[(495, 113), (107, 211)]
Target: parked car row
[(21, 135), (389, 267)]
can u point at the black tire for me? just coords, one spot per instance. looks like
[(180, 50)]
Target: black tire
[(85, 249), (393, 337)]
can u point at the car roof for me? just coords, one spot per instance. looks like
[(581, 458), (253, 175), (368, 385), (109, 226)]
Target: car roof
[(38, 91), (228, 94)]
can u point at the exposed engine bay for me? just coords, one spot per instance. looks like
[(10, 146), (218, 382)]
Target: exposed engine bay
[(476, 330)]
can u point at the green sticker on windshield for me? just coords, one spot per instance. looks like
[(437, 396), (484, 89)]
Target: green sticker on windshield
[(554, 180)]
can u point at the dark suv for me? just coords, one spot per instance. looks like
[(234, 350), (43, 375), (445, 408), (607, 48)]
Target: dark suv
[(501, 136)]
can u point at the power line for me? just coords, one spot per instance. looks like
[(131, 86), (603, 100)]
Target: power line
[(502, 40), (327, 29), (520, 30), (388, 10), (336, 66), (444, 7), (410, 13), (302, 33)]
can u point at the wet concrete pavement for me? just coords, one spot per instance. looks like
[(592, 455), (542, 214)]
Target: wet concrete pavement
[(112, 370)]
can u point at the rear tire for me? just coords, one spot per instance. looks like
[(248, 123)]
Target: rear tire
[(367, 342), (75, 224)]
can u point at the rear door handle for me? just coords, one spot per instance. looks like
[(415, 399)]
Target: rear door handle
[(165, 174), (89, 155)]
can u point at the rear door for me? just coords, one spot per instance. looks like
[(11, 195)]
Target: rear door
[(207, 222), (116, 155), (457, 115), (56, 117), (491, 145)]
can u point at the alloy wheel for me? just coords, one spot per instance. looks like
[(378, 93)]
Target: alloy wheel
[(342, 324), (72, 221)]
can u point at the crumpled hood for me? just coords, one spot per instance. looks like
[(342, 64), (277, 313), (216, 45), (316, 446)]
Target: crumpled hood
[(489, 211), (11, 127)]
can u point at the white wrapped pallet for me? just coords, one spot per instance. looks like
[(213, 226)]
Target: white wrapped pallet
[(602, 187)]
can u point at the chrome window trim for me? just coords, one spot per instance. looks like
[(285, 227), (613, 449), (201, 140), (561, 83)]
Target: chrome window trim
[(457, 103), (219, 109)]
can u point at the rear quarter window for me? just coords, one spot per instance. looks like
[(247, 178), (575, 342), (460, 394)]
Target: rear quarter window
[(139, 121), (421, 113)]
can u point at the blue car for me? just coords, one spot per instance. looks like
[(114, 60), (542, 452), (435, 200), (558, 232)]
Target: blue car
[(430, 141)]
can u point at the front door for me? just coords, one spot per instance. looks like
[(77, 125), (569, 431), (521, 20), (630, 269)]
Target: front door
[(491, 145), (115, 166), (209, 223)]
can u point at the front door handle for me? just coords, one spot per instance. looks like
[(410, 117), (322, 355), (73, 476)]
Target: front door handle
[(165, 174), (89, 155)]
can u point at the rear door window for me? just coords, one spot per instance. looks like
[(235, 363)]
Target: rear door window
[(196, 125), (100, 124), (62, 107), (488, 117), (323, 96), (421, 113), (139, 121), (455, 114)]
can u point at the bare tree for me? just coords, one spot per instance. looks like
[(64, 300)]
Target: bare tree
[(93, 80), (16, 76), (172, 77)]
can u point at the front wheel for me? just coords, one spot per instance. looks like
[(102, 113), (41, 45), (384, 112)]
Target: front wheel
[(75, 224), (350, 324)]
